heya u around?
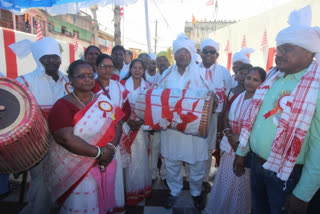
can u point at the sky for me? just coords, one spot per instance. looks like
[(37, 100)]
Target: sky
[(171, 16)]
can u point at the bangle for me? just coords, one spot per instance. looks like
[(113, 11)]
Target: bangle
[(113, 146), (99, 153), (226, 129)]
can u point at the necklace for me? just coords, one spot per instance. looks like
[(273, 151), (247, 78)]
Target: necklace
[(77, 98)]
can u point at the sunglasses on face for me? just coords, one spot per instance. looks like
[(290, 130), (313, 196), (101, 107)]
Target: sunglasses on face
[(205, 52), (83, 76)]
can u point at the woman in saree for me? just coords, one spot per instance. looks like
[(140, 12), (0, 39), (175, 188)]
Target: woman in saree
[(134, 142), (231, 194), (105, 84), (82, 173)]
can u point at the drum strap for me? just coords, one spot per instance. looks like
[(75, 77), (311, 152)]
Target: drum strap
[(104, 90), (25, 81)]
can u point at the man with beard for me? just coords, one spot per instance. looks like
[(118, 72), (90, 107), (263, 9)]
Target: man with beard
[(120, 68), (220, 81), (177, 147), (282, 126)]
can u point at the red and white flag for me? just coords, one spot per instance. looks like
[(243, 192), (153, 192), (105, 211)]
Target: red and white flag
[(39, 32), (121, 11), (227, 48), (210, 2), (244, 42), (264, 42), (75, 41)]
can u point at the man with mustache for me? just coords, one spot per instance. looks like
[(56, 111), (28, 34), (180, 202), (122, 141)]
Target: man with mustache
[(282, 126)]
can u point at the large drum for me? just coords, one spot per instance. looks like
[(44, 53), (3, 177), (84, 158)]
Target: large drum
[(24, 135), (186, 110)]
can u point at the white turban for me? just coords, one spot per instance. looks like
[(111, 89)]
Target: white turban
[(241, 56), (152, 56), (211, 43), (45, 46), (300, 32), (183, 41)]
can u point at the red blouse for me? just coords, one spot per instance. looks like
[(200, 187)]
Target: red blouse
[(61, 115)]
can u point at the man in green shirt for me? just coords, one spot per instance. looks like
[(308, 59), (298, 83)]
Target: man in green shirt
[(282, 187)]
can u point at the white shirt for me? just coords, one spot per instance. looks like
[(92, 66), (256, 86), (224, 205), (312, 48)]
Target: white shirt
[(218, 78), (176, 145), (44, 88), (123, 72), (153, 79)]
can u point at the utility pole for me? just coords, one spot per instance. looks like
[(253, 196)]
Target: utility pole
[(94, 9), (156, 38), (117, 30)]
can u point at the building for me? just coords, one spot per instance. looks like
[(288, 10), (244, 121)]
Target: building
[(201, 30), (62, 27)]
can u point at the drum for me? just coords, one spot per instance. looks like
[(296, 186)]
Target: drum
[(186, 110), (24, 134)]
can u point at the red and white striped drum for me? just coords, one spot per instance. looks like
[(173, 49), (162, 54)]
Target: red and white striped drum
[(186, 110), (24, 134)]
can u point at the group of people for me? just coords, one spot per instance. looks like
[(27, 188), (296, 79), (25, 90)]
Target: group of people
[(101, 157)]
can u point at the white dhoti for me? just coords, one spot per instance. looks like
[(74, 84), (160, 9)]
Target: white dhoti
[(177, 147), (212, 138), (175, 176), (155, 140)]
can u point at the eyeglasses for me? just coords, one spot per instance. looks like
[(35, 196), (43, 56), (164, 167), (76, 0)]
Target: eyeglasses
[(106, 67), (83, 76), (205, 52)]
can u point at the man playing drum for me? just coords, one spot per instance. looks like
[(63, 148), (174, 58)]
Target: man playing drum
[(47, 84), (220, 81), (176, 146)]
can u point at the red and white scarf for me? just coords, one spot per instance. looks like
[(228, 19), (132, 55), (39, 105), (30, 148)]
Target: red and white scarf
[(64, 170), (128, 136), (294, 122), (215, 77), (236, 118)]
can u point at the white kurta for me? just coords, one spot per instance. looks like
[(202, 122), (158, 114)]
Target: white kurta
[(153, 79), (218, 77), (44, 88), (176, 145), (123, 72)]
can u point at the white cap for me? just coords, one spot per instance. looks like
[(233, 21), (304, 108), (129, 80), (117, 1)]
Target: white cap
[(211, 43), (241, 56), (183, 41), (300, 32), (45, 46)]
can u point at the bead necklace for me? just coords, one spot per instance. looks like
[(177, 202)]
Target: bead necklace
[(75, 96)]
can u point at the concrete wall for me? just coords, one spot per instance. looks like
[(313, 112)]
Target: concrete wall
[(253, 28), (201, 30)]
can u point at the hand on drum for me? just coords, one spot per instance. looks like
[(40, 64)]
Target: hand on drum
[(107, 157), (135, 125)]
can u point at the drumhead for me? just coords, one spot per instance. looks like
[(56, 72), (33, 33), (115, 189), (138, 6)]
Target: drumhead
[(18, 107)]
